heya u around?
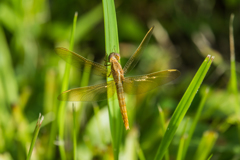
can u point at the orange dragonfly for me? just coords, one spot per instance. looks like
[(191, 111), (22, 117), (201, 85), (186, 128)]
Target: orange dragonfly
[(120, 84)]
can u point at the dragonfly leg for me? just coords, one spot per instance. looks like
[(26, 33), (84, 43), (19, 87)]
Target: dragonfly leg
[(109, 74), (106, 63)]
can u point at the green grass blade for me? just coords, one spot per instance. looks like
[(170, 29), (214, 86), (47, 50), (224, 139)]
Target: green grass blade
[(112, 45), (163, 127), (35, 135), (183, 106), (7, 71), (74, 109), (74, 133), (233, 86), (210, 157), (196, 118), (233, 78), (140, 151), (181, 148), (50, 105), (208, 140), (87, 22), (182, 141), (61, 113)]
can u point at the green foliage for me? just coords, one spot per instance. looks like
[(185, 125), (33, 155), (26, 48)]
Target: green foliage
[(185, 32), (112, 45)]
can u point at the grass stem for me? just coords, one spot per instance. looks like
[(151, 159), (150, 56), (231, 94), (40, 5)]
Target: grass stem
[(61, 113), (112, 45), (35, 135)]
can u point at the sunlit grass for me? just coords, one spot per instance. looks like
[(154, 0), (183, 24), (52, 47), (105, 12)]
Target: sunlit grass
[(62, 106), (31, 79), (112, 45), (183, 106), (35, 135)]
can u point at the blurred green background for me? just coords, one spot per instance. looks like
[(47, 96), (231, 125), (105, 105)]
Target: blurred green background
[(185, 33)]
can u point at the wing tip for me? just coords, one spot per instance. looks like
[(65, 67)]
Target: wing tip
[(175, 70)]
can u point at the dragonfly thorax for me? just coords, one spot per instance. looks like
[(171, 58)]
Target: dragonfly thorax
[(114, 56)]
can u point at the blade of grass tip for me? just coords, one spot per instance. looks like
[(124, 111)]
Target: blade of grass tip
[(181, 148), (233, 78), (163, 127), (210, 157), (61, 112), (162, 119), (112, 45), (207, 142), (196, 118), (35, 135), (183, 106)]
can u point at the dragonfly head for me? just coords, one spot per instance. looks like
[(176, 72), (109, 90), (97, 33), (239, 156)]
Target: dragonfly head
[(113, 56)]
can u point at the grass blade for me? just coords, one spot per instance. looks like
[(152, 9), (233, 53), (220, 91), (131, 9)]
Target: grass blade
[(233, 86), (181, 147), (196, 118), (163, 128), (112, 45), (7, 72), (140, 151), (183, 106), (233, 78), (61, 113), (35, 135), (74, 133), (206, 145)]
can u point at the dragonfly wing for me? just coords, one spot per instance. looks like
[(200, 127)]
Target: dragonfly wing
[(79, 62), (89, 93), (148, 82), (131, 63)]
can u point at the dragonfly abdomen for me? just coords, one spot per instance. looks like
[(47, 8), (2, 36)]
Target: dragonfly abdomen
[(122, 104)]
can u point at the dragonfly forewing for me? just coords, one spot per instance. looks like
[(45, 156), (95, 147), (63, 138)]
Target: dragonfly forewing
[(80, 62), (144, 83), (133, 60), (90, 93)]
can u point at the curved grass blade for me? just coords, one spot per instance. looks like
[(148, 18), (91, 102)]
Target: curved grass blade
[(183, 106)]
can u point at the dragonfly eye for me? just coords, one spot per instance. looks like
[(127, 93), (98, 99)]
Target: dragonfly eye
[(115, 55)]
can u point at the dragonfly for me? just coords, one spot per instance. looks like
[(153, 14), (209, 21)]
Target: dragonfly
[(120, 84)]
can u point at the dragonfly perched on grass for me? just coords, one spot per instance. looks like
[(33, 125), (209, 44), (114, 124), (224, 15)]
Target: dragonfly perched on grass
[(120, 84)]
